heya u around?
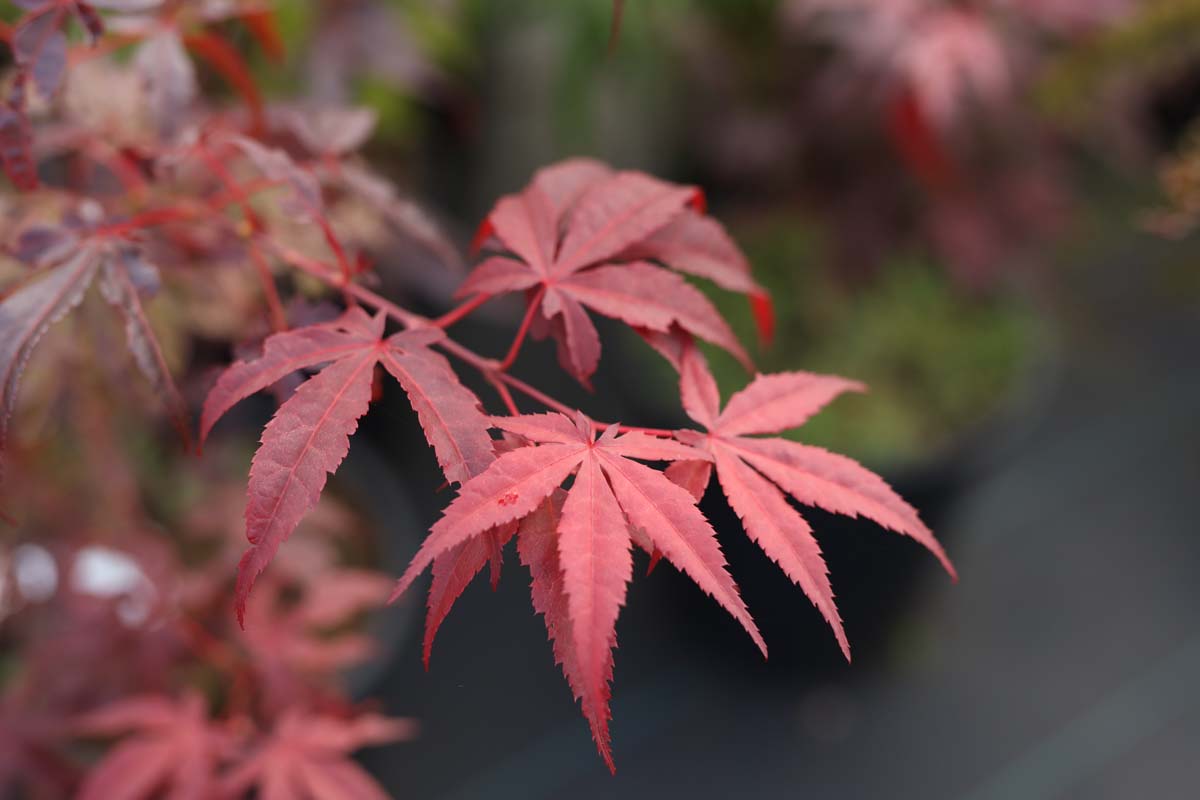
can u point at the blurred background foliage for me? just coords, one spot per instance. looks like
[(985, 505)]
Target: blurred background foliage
[(947, 296)]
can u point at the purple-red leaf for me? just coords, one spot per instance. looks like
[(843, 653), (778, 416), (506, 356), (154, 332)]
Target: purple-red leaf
[(123, 270), (26, 315), (40, 47)]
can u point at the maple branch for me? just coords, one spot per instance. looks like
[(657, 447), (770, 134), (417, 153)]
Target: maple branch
[(505, 396), (453, 316), (488, 366), (519, 339), (270, 291)]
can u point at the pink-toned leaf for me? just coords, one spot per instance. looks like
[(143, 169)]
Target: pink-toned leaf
[(336, 596), (127, 714), (698, 245), (579, 345), (174, 751), (773, 403), (497, 275), (509, 489), (453, 571), (691, 475), (526, 224), (304, 442), (542, 428), (284, 354), (637, 444), (306, 757), (782, 534), (647, 296), (616, 213), (450, 415), (495, 549), (537, 546), (563, 183), (837, 484), (669, 516), (697, 388), (593, 550)]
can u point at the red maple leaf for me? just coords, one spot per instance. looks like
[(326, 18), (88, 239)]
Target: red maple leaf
[(175, 750), (756, 472), (582, 236), (306, 757), (310, 433), (611, 495)]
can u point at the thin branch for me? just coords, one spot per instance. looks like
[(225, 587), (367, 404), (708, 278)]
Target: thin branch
[(270, 291), (453, 316), (488, 366), (526, 321)]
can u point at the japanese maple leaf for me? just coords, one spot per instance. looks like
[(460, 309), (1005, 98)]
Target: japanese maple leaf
[(309, 435), (454, 570), (755, 473), (610, 493), (306, 757), (582, 236), (173, 752), (39, 44), (297, 646), (69, 261)]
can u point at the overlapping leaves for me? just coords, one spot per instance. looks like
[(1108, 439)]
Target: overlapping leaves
[(610, 494), (582, 236), (310, 433)]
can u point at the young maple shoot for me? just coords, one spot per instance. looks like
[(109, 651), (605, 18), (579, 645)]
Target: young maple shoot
[(579, 237), (254, 192)]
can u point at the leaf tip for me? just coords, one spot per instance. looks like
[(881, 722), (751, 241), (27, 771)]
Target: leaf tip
[(763, 310)]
